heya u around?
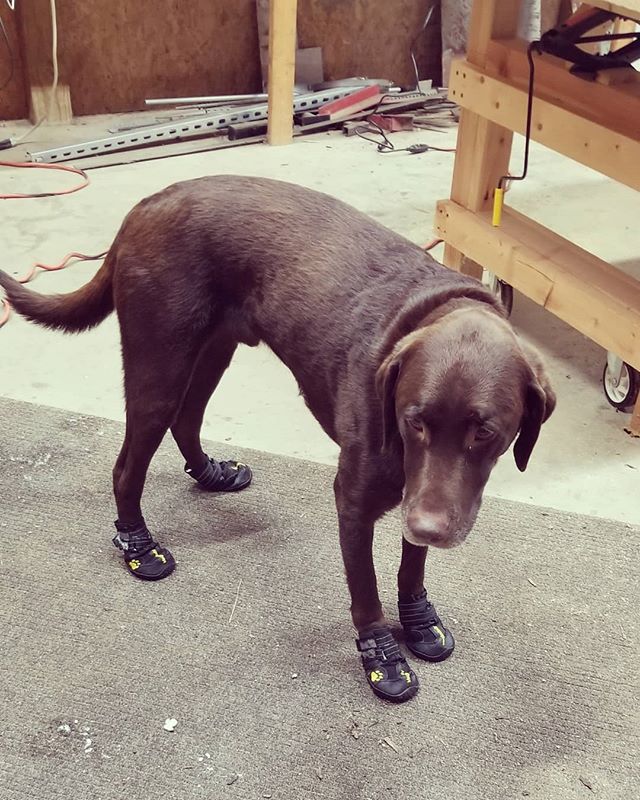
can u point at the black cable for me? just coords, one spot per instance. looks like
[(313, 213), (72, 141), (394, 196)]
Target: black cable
[(527, 135), (612, 37), (11, 56), (387, 146)]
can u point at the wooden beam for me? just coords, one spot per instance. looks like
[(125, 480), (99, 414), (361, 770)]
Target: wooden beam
[(282, 65), (589, 294), (634, 425), (628, 8), (554, 124), (483, 148), (623, 26), (615, 105), (34, 20), (490, 19), (483, 151)]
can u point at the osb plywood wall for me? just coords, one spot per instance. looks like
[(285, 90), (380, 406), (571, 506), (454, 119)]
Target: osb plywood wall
[(13, 104), (114, 55), (360, 37)]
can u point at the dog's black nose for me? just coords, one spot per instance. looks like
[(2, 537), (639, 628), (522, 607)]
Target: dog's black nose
[(429, 527)]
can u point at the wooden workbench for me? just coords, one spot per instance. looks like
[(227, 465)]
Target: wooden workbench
[(593, 123)]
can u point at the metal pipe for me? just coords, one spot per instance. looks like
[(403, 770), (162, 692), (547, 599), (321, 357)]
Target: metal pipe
[(224, 98)]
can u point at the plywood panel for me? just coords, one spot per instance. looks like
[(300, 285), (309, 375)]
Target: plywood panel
[(116, 54), (13, 103), (113, 55), (359, 37)]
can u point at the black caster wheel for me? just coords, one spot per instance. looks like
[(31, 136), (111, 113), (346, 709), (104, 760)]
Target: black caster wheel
[(503, 291), (621, 390)]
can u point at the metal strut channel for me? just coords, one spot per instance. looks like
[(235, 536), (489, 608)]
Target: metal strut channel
[(183, 129)]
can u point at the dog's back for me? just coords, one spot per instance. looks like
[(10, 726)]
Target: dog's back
[(280, 262), (256, 260)]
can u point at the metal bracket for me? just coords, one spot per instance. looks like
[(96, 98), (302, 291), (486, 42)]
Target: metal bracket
[(183, 129)]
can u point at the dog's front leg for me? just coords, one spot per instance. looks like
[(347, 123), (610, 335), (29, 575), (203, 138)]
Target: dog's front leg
[(425, 634), (387, 672), (356, 543)]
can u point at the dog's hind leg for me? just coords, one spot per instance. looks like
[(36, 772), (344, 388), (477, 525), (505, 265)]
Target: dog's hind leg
[(226, 476), (157, 371)]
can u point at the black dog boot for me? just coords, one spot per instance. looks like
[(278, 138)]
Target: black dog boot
[(221, 476), (388, 674), (425, 635), (145, 559)]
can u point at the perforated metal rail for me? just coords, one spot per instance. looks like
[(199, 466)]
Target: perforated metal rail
[(186, 128)]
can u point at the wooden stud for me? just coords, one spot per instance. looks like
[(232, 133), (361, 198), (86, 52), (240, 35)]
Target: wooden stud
[(634, 425), (623, 26), (507, 59), (599, 30), (589, 294), (34, 19), (262, 15), (490, 19), (483, 148), (628, 8), (282, 64), (554, 124)]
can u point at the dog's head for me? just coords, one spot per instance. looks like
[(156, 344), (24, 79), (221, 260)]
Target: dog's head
[(458, 392)]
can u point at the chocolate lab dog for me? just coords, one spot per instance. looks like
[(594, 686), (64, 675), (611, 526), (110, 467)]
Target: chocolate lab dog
[(411, 368)]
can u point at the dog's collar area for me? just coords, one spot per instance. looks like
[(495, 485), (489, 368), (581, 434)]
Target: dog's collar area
[(421, 312)]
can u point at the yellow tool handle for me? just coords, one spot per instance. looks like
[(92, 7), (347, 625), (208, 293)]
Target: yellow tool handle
[(498, 201)]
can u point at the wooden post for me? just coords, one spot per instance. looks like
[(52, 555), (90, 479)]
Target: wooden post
[(634, 425), (623, 26), (34, 19), (483, 147), (282, 66)]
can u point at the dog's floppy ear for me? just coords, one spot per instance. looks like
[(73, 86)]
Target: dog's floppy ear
[(539, 402), (386, 379)]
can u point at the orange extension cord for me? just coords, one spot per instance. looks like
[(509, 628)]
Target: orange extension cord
[(59, 167), (6, 313), (6, 308), (4, 318)]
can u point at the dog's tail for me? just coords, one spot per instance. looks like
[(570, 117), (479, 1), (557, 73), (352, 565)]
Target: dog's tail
[(73, 312)]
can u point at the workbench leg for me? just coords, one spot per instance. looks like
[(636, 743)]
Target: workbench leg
[(282, 67), (634, 425), (482, 157), (483, 148)]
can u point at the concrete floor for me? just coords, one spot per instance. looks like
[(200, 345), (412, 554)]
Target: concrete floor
[(584, 461)]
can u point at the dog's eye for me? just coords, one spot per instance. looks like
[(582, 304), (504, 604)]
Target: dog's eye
[(483, 433), (416, 423)]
